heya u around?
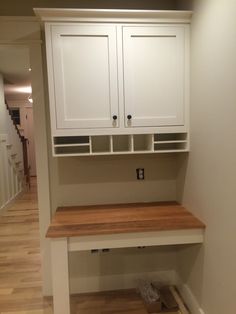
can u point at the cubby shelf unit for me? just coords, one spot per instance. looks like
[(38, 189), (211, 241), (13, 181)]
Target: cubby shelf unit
[(120, 144)]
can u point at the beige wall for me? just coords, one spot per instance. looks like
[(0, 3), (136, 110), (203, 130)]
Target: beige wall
[(184, 4), (112, 179), (210, 173), (24, 7)]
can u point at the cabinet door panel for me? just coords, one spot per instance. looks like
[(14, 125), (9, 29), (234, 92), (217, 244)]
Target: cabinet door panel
[(154, 75), (85, 75)]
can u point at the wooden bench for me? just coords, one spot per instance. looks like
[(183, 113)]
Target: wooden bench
[(83, 228)]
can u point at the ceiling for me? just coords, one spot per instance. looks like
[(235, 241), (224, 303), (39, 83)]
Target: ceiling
[(14, 66)]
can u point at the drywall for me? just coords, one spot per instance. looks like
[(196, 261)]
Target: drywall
[(120, 268), (207, 179), (112, 179), (184, 4), (24, 7)]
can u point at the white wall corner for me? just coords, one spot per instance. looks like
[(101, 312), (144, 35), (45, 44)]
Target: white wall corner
[(188, 296)]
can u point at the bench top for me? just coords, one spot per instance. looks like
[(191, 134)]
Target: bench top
[(79, 221)]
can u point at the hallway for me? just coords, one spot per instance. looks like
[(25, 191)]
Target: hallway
[(20, 273)]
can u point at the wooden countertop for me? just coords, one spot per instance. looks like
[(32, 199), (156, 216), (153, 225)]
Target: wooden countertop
[(121, 218)]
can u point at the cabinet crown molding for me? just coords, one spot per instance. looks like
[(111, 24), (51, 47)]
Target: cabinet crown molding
[(112, 15)]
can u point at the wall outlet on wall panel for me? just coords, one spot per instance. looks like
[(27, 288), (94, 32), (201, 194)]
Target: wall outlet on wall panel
[(140, 173)]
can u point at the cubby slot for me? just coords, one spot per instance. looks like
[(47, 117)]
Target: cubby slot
[(101, 144), (143, 142), (72, 150), (170, 146), (169, 137), (121, 143), (68, 140)]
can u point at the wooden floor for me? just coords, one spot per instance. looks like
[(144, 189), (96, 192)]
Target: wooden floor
[(20, 269), (20, 265)]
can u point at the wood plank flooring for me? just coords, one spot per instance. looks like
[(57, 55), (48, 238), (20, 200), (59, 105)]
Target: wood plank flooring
[(20, 264), (20, 269)]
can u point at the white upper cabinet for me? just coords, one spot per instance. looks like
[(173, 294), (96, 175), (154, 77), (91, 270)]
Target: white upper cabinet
[(117, 72), (154, 75), (84, 69)]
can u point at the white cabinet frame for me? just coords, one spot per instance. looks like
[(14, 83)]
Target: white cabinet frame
[(112, 23)]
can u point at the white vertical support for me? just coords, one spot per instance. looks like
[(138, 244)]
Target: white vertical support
[(131, 143), (60, 276), (90, 144), (151, 143), (111, 143)]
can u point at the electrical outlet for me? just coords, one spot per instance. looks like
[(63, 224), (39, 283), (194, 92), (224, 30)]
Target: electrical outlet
[(140, 173)]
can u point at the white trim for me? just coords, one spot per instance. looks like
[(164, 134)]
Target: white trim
[(171, 237), (109, 15)]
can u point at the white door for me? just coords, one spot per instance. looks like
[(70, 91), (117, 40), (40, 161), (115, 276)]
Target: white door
[(85, 76), (154, 75)]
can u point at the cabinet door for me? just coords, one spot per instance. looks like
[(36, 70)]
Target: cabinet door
[(85, 76), (154, 75)]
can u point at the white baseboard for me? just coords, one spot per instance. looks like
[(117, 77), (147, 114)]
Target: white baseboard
[(188, 297), (120, 281)]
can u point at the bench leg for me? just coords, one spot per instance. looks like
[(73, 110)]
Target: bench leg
[(60, 276)]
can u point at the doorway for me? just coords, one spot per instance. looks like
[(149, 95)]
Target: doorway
[(16, 72)]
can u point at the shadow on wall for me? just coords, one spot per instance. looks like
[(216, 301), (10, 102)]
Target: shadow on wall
[(182, 166), (191, 266), (102, 169), (120, 268), (190, 258), (26, 7)]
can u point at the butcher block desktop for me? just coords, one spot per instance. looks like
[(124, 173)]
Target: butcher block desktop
[(122, 218), (81, 228)]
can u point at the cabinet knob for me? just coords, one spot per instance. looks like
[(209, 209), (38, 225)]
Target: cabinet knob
[(114, 117), (129, 117)]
